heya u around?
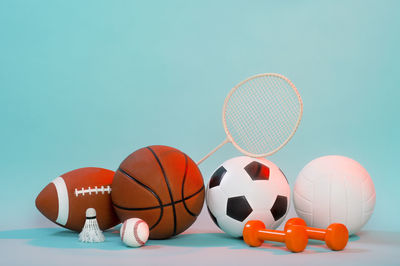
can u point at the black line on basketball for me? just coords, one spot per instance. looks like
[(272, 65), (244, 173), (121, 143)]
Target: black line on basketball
[(169, 188), (139, 209), (183, 187), (149, 189), (156, 207)]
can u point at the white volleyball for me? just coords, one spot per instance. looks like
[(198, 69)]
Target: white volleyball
[(334, 189), (134, 232)]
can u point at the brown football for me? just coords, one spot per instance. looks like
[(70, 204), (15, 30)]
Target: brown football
[(64, 201)]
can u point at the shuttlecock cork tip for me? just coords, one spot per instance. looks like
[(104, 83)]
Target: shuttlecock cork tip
[(90, 213)]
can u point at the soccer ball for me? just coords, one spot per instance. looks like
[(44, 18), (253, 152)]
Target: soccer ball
[(334, 189), (244, 189)]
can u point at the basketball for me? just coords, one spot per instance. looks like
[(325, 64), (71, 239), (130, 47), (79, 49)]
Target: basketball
[(160, 185)]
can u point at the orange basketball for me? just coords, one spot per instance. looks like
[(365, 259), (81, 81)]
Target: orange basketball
[(160, 185)]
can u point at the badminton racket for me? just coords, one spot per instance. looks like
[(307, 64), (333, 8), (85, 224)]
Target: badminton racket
[(260, 115)]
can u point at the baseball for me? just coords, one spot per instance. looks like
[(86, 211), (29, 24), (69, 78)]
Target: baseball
[(134, 232)]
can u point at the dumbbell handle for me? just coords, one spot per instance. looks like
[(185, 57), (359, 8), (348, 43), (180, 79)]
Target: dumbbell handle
[(335, 236), (316, 233), (271, 235), (312, 232)]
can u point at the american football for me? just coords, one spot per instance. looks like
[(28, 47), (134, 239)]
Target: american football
[(65, 200)]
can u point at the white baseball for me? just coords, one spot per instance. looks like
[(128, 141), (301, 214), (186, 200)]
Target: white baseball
[(134, 232)]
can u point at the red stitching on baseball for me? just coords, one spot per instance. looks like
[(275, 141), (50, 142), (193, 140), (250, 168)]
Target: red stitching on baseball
[(135, 232)]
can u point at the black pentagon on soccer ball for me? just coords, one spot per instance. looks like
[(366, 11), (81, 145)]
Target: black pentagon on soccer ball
[(278, 210), (238, 208), (216, 178), (257, 171)]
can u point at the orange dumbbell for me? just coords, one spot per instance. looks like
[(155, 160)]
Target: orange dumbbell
[(294, 237), (335, 236)]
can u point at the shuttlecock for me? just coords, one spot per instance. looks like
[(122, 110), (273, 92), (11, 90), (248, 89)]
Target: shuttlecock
[(91, 231)]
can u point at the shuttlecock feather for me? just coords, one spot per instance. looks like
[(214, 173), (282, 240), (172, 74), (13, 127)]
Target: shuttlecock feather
[(91, 231)]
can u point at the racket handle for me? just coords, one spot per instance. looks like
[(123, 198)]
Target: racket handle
[(214, 150)]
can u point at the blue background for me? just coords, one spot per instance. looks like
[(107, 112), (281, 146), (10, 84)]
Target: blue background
[(85, 83)]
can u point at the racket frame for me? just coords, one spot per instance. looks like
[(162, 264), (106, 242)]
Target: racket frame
[(229, 137)]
